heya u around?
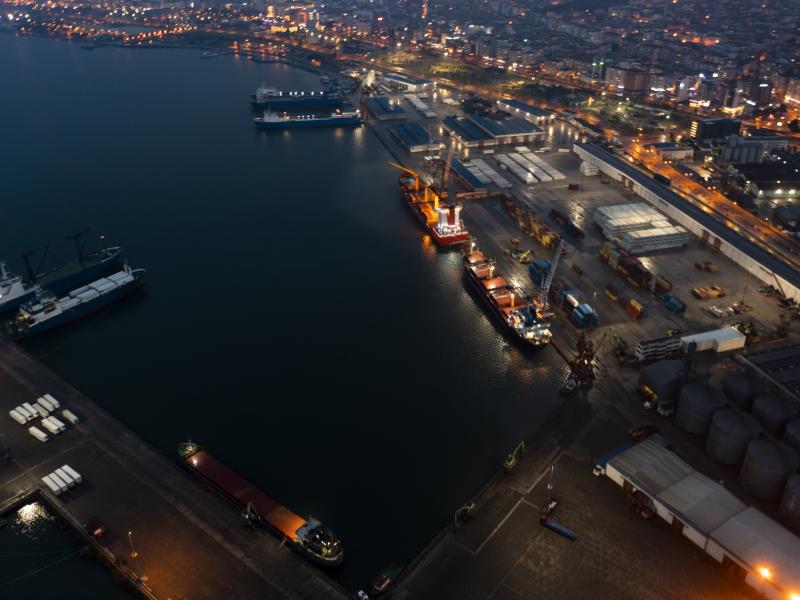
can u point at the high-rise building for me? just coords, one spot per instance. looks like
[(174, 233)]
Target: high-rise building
[(707, 130)]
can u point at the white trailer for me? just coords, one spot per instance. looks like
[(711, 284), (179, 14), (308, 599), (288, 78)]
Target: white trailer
[(73, 473), (47, 480), (50, 426), (59, 482), (46, 403), (70, 416), (38, 433), (43, 412), (65, 477), (17, 416), (59, 424), (29, 407), (29, 416), (56, 404)]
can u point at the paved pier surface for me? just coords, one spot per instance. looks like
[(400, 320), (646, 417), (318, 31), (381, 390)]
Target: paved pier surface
[(191, 544)]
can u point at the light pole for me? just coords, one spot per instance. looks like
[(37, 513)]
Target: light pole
[(135, 556)]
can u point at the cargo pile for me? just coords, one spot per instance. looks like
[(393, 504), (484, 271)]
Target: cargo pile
[(567, 223), (639, 228), (581, 314), (530, 223), (706, 292), (43, 408), (631, 269)]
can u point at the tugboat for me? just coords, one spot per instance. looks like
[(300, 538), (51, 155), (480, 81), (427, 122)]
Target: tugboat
[(385, 578), (308, 537)]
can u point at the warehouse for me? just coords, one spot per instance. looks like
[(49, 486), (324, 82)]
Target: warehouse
[(407, 84), (476, 131), (747, 542), (467, 133), (526, 111), (384, 108), (750, 257), (414, 138)]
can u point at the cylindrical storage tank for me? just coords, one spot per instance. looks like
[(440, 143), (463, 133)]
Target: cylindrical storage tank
[(789, 510), (729, 435), (737, 388), (696, 406), (773, 412), (767, 465), (791, 435)]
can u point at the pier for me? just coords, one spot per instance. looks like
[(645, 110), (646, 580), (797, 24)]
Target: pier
[(188, 542)]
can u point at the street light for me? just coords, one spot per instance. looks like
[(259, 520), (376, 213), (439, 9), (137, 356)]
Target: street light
[(135, 556), (765, 572)]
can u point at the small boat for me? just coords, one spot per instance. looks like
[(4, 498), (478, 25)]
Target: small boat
[(385, 578)]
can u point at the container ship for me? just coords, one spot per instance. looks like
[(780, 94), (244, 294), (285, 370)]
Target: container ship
[(47, 311), (270, 97), (309, 538), (285, 121), (440, 219), (15, 290), (506, 302)]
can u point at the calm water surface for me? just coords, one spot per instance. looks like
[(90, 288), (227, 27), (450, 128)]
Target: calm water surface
[(294, 320)]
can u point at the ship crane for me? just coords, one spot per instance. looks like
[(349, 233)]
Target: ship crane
[(545, 291), (427, 194)]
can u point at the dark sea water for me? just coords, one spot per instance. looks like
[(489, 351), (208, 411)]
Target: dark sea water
[(294, 321)]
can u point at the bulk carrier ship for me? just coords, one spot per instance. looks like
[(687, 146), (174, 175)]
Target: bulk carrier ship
[(285, 121), (88, 266), (273, 98), (309, 538), (46, 311), (506, 302), (440, 219)]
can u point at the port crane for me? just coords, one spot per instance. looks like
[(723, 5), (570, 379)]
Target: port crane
[(545, 291)]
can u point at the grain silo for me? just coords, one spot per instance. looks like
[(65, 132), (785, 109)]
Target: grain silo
[(697, 404), (729, 435), (773, 412), (767, 465)]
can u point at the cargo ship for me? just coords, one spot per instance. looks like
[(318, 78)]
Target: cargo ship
[(440, 219), (15, 290), (273, 98), (308, 537), (337, 118), (506, 302), (47, 311)]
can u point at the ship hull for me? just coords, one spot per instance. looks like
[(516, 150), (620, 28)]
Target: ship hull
[(509, 331), (83, 310), (317, 123), (12, 305), (443, 241), (298, 103)]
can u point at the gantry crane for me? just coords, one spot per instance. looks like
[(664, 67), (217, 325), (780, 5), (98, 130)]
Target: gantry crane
[(545, 291), (427, 194)]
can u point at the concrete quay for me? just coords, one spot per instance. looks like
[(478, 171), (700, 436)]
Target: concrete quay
[(189, 543)]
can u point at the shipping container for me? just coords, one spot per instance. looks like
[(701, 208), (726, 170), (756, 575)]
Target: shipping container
[(661, 286), (674, 304), (43, 412), (17, 416), (611, 291), (53, 401), (29, 407), (58, 423), (44, 406), (38, 433), (29, 415), (70, 416), (47, 480), (73, 473), (634, 309)]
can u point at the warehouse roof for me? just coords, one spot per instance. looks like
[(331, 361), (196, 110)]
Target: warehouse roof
[(701, 502), (707, 221), (760, 542), (526, 108), (464, 173), (404, 79), (651, 466), (382, 105), (465, 129), (512, 126), (411, 135)]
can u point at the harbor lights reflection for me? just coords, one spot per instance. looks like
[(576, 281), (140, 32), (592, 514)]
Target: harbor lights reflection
[(29, 514)]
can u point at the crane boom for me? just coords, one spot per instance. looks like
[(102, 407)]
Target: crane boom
[(410, 172), (545, 291), (446, 174)]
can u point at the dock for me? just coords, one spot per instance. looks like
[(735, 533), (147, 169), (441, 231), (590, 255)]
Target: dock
[(188, 542)]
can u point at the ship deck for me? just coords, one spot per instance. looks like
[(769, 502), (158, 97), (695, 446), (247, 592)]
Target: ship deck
[(244, 493)]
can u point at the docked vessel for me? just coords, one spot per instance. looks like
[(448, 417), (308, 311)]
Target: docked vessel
[(386, 578), (338, 118), (308, 537), (273, 98), (440, 219), (88, 266), (47, 311), (506, 302)]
